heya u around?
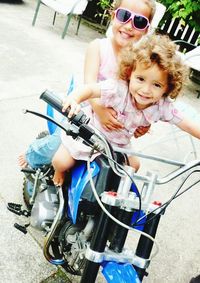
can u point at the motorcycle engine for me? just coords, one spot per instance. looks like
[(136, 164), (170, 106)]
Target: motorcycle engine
[(44, 208)]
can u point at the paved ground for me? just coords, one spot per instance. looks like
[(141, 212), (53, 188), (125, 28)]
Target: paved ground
[(33, 59)]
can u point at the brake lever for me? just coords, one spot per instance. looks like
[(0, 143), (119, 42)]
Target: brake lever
[(68, 128)]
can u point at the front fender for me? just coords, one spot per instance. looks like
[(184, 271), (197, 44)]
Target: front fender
[(115, 272)]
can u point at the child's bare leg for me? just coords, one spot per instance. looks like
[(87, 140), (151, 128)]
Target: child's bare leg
[(134, 162), (62, 161), (22, 160)]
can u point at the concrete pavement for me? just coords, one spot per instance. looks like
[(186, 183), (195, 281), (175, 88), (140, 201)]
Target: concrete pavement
[(32, 60)]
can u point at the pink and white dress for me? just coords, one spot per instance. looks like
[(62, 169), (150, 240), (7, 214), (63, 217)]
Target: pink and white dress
[(115, 94)]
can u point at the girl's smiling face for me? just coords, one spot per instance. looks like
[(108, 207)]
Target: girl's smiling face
[(147, 85), (123, 33)]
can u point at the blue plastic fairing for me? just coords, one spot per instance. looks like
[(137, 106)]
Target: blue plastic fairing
[(51, 126), (51, 112), (137, 214), (79, 180), (119, 272)]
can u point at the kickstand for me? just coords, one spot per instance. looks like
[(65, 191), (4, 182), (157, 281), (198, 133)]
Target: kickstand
[(21, 228)]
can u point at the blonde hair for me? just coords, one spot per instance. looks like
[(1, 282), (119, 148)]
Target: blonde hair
[(155, 49), (151, 3)]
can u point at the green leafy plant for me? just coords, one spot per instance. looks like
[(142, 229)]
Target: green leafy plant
[(105, 15), (105, 4), (186, 10)]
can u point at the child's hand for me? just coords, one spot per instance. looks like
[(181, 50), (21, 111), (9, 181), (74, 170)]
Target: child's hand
[(74, 106), (107, 116), (140, 131), (108, 119)]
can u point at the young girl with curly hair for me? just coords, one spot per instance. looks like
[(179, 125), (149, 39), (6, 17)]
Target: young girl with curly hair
[(151, 75)]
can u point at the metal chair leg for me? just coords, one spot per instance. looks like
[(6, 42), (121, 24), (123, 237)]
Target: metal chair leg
[(66, 25), (36, 12), (54, 18), (79, 22), (198, 93)]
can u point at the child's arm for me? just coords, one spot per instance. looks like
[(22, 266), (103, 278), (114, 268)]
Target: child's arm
[(92, 62), (191, 127), (106, 115), (79, 95)]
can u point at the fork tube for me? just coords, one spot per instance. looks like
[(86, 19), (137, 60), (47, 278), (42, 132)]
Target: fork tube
[(100, 236), (120, 233), (145, 245), (98, 244)]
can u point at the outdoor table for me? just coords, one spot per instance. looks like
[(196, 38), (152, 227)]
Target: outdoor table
[(192, 60)]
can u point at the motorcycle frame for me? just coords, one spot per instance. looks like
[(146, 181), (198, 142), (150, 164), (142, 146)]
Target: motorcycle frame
[(112, 271)]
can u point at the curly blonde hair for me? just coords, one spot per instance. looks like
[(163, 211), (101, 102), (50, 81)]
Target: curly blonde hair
[(155, 49), (151, 3)]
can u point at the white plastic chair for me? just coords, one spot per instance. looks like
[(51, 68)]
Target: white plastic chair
[(160, 11), (192, 59), (64, 7), (190, 54)]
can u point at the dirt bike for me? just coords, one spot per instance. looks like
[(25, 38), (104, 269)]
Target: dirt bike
[(87, 220)]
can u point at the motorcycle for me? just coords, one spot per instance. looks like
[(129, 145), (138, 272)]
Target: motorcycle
[(86, 221)]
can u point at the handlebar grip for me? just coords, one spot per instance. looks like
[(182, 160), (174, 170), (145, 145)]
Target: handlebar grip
[(53, 100), (57, 103)]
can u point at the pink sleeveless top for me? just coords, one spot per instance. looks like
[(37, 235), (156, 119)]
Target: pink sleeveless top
[(108, 61)]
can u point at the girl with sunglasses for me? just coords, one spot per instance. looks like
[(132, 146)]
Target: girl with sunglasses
[(130, 21), (150, 77)]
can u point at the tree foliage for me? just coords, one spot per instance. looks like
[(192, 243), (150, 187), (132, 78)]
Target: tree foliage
[(105, 4), (186, 10)]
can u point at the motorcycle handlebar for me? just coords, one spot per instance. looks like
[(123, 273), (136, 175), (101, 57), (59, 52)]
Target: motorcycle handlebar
[(173, 175), (57, 103), (86, 132)]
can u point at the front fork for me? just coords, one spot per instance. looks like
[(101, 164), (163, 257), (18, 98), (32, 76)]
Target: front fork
[(100, 238), (101, 234), (145, 245), (97, 246)]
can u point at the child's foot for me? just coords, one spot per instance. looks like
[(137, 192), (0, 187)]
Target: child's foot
[(58, 178), (22, 161)]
